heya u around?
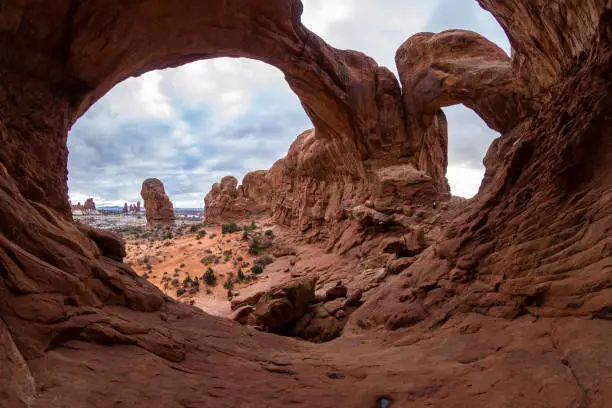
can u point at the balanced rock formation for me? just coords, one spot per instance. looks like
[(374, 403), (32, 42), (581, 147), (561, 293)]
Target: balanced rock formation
[(512, 302), (159, 209)]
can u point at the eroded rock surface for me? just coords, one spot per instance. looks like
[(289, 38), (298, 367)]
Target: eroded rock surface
[(229, 201), (509, 304), (159, 209)]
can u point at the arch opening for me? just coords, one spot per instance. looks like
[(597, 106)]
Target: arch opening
[(468, 140), (188, 126)]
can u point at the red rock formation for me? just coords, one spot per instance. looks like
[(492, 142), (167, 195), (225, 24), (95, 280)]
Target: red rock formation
[(228, 201), (448, 68), (88, 208), (533, 246), (89, 205), (305, 191), (137, 208), (159, 209), (125, 209)]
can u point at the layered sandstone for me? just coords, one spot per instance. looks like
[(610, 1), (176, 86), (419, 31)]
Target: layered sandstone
[(511, 306), (229, 201), (159, 208)]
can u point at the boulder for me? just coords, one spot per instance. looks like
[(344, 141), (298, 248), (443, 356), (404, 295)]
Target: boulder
[(241, 314), (338, 291), (284, 305), (250, 301)]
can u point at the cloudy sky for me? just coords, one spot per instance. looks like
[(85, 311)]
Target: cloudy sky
[(192, 125)]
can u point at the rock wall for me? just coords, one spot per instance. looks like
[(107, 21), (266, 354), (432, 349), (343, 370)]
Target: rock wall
[(159, 209), (533, 246), (305, 191)]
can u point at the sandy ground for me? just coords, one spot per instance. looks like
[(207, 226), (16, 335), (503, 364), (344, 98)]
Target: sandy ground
[(181, 257)]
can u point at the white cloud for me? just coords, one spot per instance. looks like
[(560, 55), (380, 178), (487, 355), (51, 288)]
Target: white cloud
[(464, 181)]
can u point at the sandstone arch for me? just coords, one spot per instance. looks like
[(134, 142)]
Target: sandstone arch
[(99, 44), (537, 237)]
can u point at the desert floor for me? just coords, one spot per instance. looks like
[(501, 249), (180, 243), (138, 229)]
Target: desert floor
[(162, 261)]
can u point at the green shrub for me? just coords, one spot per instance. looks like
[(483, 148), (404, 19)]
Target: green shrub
[(258, 244), (145, 260), (145, 275), (208, 259), (209, 277), (187, 281), (229, 228), (263, 261), (182, 265), (241, 275), (168, 235), (201, 234), (180, 292), (195, 227), (228, 285), (257, 269)]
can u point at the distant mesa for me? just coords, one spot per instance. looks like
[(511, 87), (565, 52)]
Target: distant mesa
[(159, 208), (89, 208)]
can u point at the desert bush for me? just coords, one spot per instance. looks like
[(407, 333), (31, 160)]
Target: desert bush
[(213, 236), (208, 259), (228, 285), (229, 228), (168, 235), (263, 261), (195, 227), (241, 275), (180, 292), (209, 277), (182, 265), (175, 282), (201, 234), (257, 269), (145, 275), (257, 244), (187, 281)]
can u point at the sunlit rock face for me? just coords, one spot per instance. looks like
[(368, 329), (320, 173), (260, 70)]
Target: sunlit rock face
[(159, 209), (516, 283)]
